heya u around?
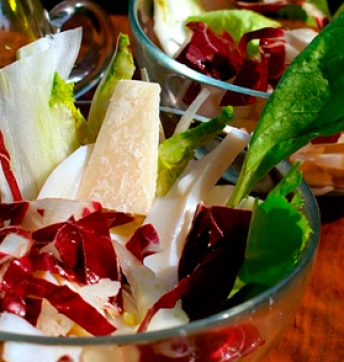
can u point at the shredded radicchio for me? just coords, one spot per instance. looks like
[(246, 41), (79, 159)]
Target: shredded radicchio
[(71, 242), (218, 56), (84, 254)]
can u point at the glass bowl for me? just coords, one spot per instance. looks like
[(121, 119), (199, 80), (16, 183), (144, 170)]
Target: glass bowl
[(176, 78), (246, 332)]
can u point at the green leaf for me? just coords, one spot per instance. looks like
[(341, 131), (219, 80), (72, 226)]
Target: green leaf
[(277, 235), (121, 67), (176, 151), (339, 11), (319, 6), (293, 12), (306, 103), (62, 94)]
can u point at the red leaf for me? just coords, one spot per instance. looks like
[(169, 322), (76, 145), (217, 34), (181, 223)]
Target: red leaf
[(144, 242), (99, 257), (210, 53), (13, 303), (68, 243), (214, 247), (72, 305), (166, 301), (14, 278), (13, 212), (254, 75), (326, 139), (5, 160), (33, 310), (229, 344)]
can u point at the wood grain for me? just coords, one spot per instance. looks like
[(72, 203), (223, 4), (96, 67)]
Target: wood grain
[(317, 331)]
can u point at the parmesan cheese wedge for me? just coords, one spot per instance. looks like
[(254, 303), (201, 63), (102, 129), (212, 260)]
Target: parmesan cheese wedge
[(122, 170)]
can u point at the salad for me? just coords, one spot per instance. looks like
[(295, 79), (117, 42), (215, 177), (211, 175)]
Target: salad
[(66, 256), (251, 44)]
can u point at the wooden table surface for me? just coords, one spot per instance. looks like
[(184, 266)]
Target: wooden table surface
[(317, 331)]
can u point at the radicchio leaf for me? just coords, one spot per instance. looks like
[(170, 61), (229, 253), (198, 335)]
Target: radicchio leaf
[(70, 303), (215, 247), (14, 212), (271, 46), (86, 243), (5, 161), (211, 53), (166, 301), (143, 242), (326, 139), (234, 342), (253, 74)]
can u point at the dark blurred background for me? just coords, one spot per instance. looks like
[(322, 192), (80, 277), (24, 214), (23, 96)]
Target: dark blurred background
[(121, 6), (110, 6)]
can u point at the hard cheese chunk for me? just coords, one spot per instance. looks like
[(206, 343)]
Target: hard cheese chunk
[(122, 169)]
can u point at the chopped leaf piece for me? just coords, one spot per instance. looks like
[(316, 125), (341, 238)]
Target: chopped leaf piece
[(176, 151)]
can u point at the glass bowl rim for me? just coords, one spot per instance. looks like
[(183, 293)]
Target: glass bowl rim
[(213, 321), (179, 68)]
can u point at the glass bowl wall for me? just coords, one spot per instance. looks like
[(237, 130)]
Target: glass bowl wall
[(175, 78)]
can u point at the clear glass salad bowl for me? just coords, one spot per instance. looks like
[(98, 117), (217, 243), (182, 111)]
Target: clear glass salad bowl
[(174, 77), (246, 332)]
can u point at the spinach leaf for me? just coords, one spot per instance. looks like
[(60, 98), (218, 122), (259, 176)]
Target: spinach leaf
[(307, 103)]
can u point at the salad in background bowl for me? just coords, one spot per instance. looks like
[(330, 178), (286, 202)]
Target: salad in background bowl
[(237, 50), (179, 265), (235, 53)]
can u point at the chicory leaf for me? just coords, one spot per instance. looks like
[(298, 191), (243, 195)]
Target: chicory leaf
[(306, 103), (177, 151), (38, 134), (121, 67)]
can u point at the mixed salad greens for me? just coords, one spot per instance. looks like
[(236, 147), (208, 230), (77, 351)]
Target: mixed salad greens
[(63, 259), (251, 44)]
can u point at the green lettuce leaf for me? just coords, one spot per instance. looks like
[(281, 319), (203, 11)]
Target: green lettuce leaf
[(121, 67), (176, 151), (306, 103), (270, 255)]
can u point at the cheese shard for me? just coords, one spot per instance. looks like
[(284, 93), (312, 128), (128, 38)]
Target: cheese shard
[(122, 170)]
